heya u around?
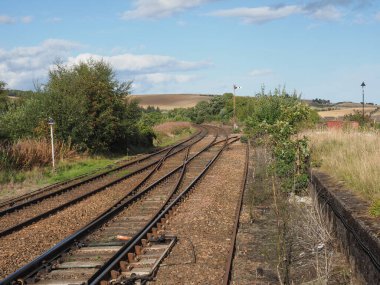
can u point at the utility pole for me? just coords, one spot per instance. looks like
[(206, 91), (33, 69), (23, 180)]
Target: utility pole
[(51, 123), (363, 85), (235, 87)]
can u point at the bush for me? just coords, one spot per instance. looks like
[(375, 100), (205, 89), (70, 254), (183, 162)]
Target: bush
[(89, 107), (244, 139), (28, 153)]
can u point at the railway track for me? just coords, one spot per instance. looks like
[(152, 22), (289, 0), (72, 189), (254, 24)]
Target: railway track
[(231, 252), (124, 241), (33, 197), (31, 211)]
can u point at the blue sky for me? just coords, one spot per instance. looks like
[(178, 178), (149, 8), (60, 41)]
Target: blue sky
[(320, 48)]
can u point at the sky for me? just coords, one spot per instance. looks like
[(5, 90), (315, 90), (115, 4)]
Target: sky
[(320, 48)]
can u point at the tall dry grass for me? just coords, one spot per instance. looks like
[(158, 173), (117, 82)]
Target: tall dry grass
[(351, 156), (28, 153)]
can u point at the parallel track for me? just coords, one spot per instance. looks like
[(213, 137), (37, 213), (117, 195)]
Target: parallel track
[(23, 217), (59, 251), (22, 201)]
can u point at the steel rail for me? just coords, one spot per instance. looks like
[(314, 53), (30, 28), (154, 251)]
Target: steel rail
[(99, 189), (63, 246), (104, 272), (231, 251), (81, 182)]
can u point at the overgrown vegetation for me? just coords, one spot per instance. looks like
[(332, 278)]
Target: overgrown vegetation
[(351, 156), (357, 116), (170, 132), (91, 110), (276, 120)]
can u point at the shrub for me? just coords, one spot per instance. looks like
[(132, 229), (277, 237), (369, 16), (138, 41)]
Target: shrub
[(28, 153), (244, 139)]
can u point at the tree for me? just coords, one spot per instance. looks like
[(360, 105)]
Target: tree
[(88, 104), (3, 98)]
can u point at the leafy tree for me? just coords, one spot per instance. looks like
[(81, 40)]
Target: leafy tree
[(89, 106), (3, 98), (4, 104)]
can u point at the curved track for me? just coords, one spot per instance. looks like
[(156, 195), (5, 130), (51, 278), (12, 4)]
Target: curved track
[(170, 173), (33, 210), (33, 197)]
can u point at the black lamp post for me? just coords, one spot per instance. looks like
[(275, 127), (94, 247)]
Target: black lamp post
[(363, 85)]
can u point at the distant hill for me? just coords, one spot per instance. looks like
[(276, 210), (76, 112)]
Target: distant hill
[(171, 101)]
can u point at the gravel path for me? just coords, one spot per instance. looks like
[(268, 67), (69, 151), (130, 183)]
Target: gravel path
[(204, 224)]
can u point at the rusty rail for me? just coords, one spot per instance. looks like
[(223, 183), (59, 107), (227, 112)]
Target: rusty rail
[(231, 252)]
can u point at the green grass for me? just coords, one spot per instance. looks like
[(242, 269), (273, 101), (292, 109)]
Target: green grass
[(14, 183), (375, 208), (69, 170)]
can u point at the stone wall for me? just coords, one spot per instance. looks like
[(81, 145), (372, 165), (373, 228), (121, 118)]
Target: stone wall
[(358, 233)]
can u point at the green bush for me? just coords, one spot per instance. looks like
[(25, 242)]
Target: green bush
[(89, 106), (244, 139)]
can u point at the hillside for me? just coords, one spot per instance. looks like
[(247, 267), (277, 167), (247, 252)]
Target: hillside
[(171, 101), (339, 113)]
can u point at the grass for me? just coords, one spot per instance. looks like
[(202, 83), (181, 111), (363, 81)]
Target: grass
[(171, 132), (351, 156), (17, 182), (14, 183), (69, 170)]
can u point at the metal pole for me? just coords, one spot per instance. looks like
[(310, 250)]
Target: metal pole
[(363, 102), (234, 108), (52, 146)]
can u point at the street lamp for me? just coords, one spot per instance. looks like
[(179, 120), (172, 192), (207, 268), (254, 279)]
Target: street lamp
[(363, 85), (235, 87), (51, 123)]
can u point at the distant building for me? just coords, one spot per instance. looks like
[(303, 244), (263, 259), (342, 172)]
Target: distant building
[(342, 124)]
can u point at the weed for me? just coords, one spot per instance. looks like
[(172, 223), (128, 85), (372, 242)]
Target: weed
[(375, 208), (353, 157)]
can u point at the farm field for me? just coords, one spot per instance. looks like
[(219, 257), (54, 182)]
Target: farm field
[(171, 101), (343, 112)]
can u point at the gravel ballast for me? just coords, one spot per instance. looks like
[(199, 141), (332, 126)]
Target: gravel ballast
[(204, 223)]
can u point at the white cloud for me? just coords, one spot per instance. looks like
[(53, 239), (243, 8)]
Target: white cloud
[(20, 66), (4, 19), (160, 78), (377, 16), (54, 20), (159, 8), (146, 63), (260, 14), (321, 10), (260, 72), (26, 19), (329, 13)]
